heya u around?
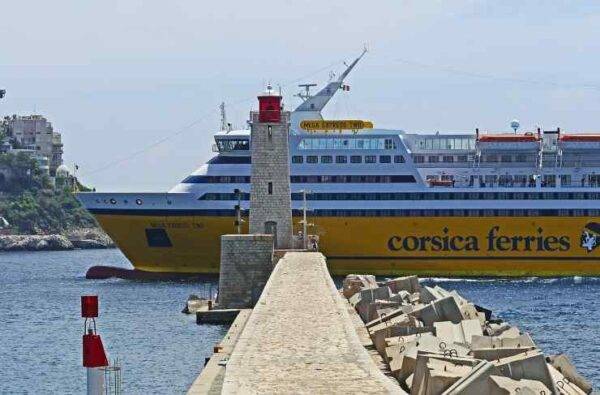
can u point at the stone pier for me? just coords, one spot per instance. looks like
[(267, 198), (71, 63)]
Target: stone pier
[(301, 338)]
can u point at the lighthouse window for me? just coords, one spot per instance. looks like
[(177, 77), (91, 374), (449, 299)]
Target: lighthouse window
[(270, 188)]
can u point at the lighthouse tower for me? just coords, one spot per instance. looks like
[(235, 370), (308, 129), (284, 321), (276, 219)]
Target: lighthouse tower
[(270, 201)]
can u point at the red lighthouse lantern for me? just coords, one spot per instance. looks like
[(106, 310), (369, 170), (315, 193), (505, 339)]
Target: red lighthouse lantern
[(269, 106)]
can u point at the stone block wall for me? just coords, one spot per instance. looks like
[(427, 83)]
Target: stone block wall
[(270, 200), (246, 264)]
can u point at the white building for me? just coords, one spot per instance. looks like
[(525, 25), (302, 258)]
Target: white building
[(34, 132)]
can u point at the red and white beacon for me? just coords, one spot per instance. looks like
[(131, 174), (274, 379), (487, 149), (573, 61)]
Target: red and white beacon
[(94, 356)]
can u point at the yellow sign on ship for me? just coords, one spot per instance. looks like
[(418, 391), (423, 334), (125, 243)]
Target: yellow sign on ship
[(338, 125)]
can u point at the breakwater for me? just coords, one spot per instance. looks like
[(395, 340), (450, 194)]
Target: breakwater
[(435, 341), (412, 338)]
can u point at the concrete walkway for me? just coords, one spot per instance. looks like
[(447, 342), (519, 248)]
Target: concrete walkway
[(300, 338)]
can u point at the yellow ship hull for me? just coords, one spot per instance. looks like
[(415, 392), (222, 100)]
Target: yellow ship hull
[(427, 246)]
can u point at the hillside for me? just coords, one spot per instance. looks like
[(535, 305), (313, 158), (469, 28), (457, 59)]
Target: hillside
[(32, 205)]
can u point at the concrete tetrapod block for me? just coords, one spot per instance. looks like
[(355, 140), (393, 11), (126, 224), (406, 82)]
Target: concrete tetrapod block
[(390, 317), (458, 333), (354, 283), (501, 330), (530, 365), (370, 311), (445, 309), (405, 325), (562, 363), (403, 356), (503, 385), (474, 383), (434, 374), (564, 385), (408, 283), (493, 348)]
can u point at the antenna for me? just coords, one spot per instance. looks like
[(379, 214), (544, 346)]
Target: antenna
[(306, 94), (514, 124), (223, 116)]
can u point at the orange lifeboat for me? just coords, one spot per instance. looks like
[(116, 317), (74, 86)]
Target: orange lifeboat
[(508, 138), (441, 183), (580, 138)]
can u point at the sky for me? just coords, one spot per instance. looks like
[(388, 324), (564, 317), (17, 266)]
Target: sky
[(134, 86)]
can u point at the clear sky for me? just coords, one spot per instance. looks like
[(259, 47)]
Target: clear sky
[(114, 77)]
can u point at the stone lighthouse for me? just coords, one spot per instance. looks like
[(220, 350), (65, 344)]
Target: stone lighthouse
[(270, 200)]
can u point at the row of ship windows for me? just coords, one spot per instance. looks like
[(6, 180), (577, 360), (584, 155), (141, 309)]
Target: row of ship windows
[(444, 143), (455, 213), (422, 196), (313, 159), (347, 143), (305, 179), (468, 158), (424, 213)]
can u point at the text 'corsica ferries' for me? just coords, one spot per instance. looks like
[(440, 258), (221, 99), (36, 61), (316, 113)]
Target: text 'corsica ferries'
[(385, 201)]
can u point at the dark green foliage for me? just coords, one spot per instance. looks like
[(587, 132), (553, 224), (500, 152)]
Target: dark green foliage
[(31, 205)]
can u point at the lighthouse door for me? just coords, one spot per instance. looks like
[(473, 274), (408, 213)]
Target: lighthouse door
[(271, 229)]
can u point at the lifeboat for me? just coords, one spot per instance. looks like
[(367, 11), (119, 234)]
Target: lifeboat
[(508, 138), (441, 183), (580, 138)]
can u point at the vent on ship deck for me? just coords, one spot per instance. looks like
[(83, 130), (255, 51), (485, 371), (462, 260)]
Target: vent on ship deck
[(158, 238)]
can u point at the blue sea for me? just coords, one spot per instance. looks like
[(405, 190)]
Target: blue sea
[(162, 350)]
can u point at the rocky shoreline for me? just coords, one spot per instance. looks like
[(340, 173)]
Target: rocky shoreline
[(92, 238)]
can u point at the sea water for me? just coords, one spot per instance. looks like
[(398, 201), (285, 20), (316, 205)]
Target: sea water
[(162, 350)]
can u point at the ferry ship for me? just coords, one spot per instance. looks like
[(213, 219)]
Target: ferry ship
[(385, 201)]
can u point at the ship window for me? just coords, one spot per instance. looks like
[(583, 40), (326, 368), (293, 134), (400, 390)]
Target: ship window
[(399, 159), (356, 159), (419, 159), (389, 144), (448, 159), (297, 159), (312, 159), (341, 159), (370, 159), (520, 158), (506, 158), (433, 159), (326, 159), (385, 159), (565, 180), (158, 238), (491, 158), (461, 158)]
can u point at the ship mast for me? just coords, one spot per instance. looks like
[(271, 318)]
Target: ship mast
[(224, 125)]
